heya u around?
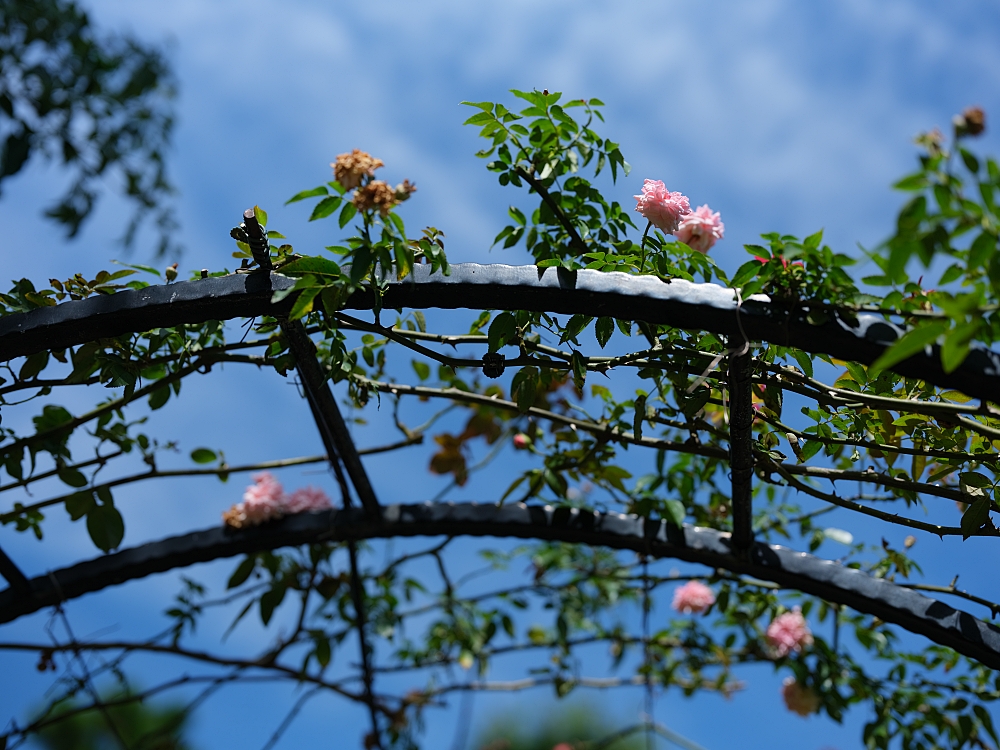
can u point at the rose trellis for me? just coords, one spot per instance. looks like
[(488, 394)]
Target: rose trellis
[(758, 407)]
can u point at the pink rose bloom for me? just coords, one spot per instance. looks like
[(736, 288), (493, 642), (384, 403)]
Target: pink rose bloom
[(521, 441), (562, 746), (801, 700), (789, 632), (307, 499), (663, 208), (263, 500), (694, 597), (700, 230)]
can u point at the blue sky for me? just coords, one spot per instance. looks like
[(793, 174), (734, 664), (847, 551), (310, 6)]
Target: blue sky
[(784, 116)]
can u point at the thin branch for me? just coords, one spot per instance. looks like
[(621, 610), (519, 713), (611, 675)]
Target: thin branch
[(574, 237), (222, 470), (940, 531), (873, 446), (45, 475), (603, 431)]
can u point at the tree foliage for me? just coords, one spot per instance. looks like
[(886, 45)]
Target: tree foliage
[(100, 104)]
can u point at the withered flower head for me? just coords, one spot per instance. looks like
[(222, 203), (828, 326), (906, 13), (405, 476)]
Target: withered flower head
[(932, 141), (972, 121), (348, 169), (404, 190), (376, 194)]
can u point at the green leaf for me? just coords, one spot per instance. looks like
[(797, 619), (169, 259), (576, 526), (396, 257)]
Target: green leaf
[(261, 215), (674, 512), (971, 162), (421, 368), (325, 207), (640, 414), (33, 365), (956, 344), (579, 364), (911, 343), (159, 397), (857, 372), (203, 456), (576, 325), (982, 250), (973, 479), (956, 396), (105, 526), (502, 330), (603, 329), (346, 214), (80, 504), (916, 181), (323, 652), (270, 601), (523, 387), (321, 190), (485, 106), (312, 264), (513, 486), (744, 273), (975, 517), (72, 477), (804, 361), (242, 572), (813, 241), (303, 304)]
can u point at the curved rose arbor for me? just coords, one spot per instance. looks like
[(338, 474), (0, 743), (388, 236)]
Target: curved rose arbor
[(737, 561)]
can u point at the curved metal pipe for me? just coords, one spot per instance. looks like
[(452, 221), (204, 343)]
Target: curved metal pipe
[(825, 579), (679, 303)]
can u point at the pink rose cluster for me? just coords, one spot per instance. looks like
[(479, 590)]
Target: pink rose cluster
[(265, 500), (694, 597), (671, 213), (801, 699), (788, 632)]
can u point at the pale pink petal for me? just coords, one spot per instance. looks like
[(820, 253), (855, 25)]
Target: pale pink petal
[(307, 499), (789, 632), (663, 208), (694, 597), (263, 500), (701, 229)]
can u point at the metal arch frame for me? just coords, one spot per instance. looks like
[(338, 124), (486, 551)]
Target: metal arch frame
[(679, 303), (826, 579)]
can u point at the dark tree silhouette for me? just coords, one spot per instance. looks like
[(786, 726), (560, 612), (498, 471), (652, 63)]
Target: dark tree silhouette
[(99, 103)]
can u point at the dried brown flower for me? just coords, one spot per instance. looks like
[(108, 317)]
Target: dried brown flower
[(404, 190), (348, 169), (975, 120), (235, 517), (376, 194), (972, 121)]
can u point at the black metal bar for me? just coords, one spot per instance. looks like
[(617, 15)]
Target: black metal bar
[(331, 423), (18, 581), (257, 239), (357, 596), (741, 448), (680, 304), (825, 579)]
